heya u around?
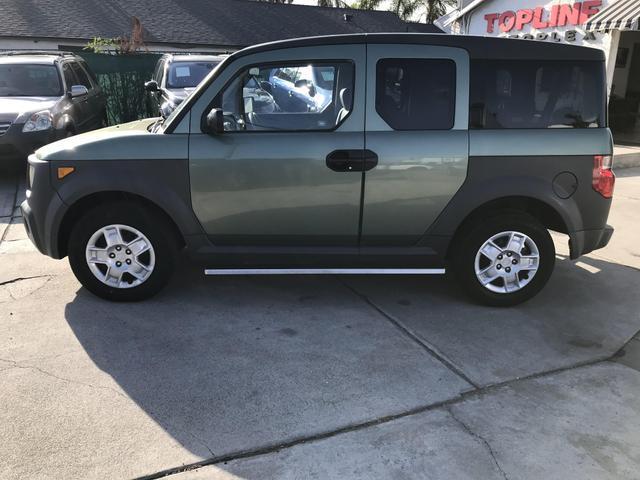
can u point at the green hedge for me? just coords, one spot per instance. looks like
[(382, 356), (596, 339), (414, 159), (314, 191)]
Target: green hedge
[(122, 78)]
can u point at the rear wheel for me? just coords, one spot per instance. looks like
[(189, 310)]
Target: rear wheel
[(505, 259), (122, 252)]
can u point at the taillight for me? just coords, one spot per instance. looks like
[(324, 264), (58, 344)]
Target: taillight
[(603, 177)]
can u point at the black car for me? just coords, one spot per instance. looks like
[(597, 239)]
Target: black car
[(45, 96), (175, 77)]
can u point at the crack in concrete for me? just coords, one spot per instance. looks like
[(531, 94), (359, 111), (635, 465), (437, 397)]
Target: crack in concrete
[(19, 279), (481, 439), (196, 438), (63, 379), (430, 348), (445, 404), (31, 292)]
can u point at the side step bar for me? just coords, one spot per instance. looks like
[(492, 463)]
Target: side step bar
[(324, 271)]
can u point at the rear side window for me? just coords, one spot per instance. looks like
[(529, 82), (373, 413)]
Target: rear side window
[(416, 93), (537, 94)]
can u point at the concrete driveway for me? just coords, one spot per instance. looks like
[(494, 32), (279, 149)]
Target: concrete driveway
[(321, 377)]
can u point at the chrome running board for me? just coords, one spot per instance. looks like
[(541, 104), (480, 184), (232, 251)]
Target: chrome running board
[(324, 271)]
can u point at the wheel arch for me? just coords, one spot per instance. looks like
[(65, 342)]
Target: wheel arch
[(90, 201), (542, 211)]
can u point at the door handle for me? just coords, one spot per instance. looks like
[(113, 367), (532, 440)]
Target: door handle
[(352, 160), (369, 160)]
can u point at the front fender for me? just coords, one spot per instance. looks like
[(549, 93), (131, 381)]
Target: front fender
[(164, 183)]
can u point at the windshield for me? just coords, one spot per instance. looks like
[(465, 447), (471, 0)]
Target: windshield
[(188, 74), (29, 81)]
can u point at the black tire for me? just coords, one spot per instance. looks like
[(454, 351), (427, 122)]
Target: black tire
[(131, 214), (473, 236)]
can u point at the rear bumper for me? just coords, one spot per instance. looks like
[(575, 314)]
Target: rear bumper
[(585, 241)]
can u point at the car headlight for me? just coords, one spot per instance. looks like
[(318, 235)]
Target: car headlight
[(38, 122)]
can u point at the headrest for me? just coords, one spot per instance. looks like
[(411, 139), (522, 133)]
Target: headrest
[(346, 98)]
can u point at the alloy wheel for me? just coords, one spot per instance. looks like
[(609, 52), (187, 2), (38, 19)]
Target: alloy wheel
[(507, 262), (120, 256)]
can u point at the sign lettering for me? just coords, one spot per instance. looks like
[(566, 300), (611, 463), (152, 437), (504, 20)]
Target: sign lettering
[(539, 18)]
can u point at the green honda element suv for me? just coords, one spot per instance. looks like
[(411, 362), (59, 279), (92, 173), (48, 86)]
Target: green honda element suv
[(419, 154)]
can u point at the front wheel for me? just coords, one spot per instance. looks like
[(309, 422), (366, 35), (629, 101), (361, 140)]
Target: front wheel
[(122, 252), (505, 259)]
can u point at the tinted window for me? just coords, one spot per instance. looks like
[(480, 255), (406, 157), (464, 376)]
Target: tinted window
[(537, 94), (288, 97), (29, 81), (89, 72), (416, 94), (81, 75), (69, 77), (188, 74)]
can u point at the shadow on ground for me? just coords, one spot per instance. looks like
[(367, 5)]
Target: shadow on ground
[(232, 364)]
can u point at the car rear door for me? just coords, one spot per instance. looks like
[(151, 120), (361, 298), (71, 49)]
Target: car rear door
[(277, 176), (417, 124)]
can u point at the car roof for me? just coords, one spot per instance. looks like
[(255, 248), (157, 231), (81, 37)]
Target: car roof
[(35, 57), (477, 46), (28, 59), (196, 58)]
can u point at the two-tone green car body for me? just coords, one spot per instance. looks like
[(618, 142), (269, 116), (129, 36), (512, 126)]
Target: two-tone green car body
[(398, 153)]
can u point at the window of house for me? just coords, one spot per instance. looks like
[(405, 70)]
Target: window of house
[(537, 94), (289, 97), (415, 93)]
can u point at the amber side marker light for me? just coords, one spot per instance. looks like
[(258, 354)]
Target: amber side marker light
[(64, 171)]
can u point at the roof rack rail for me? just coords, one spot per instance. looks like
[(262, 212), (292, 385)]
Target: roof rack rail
[(56, 53)]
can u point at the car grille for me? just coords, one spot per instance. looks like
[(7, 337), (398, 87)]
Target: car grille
[(4, 127)]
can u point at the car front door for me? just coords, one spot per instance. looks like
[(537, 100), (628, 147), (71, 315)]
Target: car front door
[(90, 104), (417, 124), (277, 177), (79, 106)]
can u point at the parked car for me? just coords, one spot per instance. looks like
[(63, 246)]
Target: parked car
[(174, 78), (433, 153), (45, 96)]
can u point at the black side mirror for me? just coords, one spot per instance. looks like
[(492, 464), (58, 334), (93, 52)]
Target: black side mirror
[(214, 122), (151, 86)]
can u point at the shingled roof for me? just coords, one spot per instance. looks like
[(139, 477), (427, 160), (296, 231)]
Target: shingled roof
[(228, 23)]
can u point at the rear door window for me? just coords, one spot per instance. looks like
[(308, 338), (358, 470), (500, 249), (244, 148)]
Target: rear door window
[(416, 93), (537, 94)]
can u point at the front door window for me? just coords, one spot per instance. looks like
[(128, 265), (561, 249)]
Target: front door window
[(295, 97)]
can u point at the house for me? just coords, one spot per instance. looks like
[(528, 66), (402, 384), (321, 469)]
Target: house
[(182, 25)]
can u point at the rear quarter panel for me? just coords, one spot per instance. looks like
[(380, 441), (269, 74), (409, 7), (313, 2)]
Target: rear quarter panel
[(524, 163)]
